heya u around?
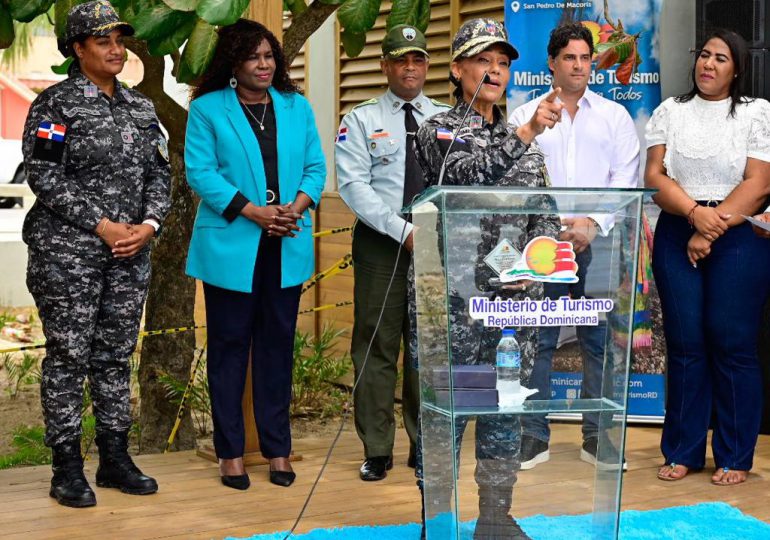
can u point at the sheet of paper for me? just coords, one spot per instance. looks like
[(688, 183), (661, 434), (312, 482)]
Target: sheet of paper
[(760, 224)]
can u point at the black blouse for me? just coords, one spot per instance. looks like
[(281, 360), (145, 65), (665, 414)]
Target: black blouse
[(267, 137)]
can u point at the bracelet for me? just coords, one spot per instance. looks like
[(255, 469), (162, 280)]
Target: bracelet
[(104, 226), (691, 215)]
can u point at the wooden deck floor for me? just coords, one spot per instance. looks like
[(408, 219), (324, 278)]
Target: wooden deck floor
[(193, 504)]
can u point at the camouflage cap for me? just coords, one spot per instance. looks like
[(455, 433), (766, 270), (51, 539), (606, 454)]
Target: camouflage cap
[(477, 35), (96, 18), (402, 39)]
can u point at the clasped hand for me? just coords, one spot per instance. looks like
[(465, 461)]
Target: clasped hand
[(124, 239), (710, 222), (277, 220), (699, 247)]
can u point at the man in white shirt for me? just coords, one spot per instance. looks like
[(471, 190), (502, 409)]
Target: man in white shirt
[(593, 145)]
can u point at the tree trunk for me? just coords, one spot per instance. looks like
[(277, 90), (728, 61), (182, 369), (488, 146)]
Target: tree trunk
[(303, 26), (171, 298), (170, 304)]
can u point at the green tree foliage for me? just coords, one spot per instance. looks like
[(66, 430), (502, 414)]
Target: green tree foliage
[(170, 25)]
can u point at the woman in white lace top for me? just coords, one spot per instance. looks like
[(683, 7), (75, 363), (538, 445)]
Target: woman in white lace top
[(709, 158)]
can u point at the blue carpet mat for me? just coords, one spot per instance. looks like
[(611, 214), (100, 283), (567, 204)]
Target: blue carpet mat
[(707, 521)]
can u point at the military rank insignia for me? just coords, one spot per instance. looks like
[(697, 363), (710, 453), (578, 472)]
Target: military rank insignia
[(49, 142)]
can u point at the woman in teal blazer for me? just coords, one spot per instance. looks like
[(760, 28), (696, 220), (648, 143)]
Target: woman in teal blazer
[(253, 155)]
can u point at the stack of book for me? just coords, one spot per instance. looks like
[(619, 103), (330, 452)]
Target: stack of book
[(472, 386)]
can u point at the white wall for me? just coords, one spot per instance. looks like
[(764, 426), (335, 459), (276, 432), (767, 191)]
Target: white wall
[(677, 37), (321, 92)]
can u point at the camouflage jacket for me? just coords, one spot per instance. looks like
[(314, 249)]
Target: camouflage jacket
[(487, 154), (88, 156), (484, 155)]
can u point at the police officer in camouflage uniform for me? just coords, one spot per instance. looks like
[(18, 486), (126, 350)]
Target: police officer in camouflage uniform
[(487, 152), (378, 174), (98, 163)]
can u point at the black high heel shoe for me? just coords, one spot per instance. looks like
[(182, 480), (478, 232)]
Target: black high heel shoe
[(240, 481), (282, 478)]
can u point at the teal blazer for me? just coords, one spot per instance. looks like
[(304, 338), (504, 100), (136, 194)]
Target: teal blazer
[(222, 157)]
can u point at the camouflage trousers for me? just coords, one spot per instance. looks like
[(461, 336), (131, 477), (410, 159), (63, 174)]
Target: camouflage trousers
[(90, 316)]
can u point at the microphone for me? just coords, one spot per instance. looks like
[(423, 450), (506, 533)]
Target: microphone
[(484, 80)]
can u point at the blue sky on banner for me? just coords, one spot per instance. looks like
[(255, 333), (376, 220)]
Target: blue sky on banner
[(530, 23)]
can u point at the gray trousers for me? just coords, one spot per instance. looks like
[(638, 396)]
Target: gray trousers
[(90, 316)]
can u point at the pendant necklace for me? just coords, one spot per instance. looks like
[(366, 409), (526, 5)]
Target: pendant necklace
[(257, 120)]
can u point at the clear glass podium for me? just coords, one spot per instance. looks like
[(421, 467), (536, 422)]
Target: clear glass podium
[(484, 259)]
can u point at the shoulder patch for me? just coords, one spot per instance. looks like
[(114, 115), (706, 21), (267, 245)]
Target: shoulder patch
[(440, 103), (367, 102), (49, 142)]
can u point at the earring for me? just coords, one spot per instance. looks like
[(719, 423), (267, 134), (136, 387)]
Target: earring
[(233, 82)]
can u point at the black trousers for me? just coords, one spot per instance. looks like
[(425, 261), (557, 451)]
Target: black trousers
[(263, 323)]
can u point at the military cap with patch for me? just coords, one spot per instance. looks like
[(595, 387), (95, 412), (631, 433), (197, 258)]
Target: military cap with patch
[(94, 19), (402, 39), (477, 35)]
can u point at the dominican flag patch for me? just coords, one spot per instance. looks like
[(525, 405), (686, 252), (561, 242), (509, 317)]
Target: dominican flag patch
[(443, 134), (49, 142), (342, 135), (51, 131)]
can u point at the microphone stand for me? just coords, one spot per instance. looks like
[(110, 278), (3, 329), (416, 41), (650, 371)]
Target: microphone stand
[(485, 79)]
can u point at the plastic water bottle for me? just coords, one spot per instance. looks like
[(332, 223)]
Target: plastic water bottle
[(508, 365)]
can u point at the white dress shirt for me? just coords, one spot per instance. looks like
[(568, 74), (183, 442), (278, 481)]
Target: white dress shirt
[(598, 148)]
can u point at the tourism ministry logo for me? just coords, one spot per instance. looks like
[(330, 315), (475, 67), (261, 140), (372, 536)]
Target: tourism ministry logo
[(544, 259)]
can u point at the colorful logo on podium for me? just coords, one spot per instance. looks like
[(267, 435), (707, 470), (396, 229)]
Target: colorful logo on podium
[(544, 259)]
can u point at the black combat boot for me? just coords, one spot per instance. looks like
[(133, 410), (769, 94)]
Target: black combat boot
[(117, 469), (495, 522), (69, 485)]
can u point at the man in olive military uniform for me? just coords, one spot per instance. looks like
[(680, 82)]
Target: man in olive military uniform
[(378, 175), (98, 163)]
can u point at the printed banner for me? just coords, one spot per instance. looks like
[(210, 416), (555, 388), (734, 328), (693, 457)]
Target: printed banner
[(529, 25)]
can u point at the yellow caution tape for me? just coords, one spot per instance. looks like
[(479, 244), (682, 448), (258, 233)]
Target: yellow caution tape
[(343, 264), (40, 345), (145, 333), (183, 402), (325, 307), (329, 232)]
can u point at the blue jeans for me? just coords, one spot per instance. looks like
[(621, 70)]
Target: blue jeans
[(591, 340), (711, 318)]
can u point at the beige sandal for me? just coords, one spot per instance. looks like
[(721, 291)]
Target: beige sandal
[(726, 470), (671, 469)]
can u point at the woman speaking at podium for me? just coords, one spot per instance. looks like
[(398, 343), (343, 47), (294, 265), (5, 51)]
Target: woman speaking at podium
[(477, 147)]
